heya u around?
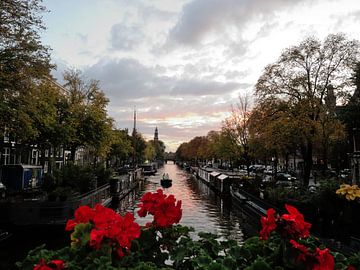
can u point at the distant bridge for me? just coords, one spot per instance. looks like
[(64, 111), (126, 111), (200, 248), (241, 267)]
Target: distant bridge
[(169, 157)]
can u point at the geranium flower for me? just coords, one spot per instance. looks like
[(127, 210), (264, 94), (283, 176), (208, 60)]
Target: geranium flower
[(165, 209), (296, 226), (301, 248), (168, 212), (52, 265), (108, 226), (96, 237), (149, 202), (268, 224), (325, 260), (82, 215)]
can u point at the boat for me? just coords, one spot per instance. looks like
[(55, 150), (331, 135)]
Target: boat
[(148, 169), (166, 181)]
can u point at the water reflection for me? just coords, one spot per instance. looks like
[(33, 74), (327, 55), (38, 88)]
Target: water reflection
[(202, 209)]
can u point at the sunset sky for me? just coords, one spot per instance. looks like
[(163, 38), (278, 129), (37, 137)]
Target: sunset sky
[(182, 63)]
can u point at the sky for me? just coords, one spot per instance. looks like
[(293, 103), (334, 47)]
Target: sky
[(183, 63)]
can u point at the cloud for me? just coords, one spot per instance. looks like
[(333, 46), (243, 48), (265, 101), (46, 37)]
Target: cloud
[(199, 18), (127, 79), (125, 38)]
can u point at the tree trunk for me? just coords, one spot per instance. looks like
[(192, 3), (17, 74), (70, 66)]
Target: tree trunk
[(287, 162), (276, 162), (325, 158), (72, 153)]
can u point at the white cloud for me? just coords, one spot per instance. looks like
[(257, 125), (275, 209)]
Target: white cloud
[(124, 37)]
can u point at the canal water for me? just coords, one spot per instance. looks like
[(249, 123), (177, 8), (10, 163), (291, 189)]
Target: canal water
[(202, 209)]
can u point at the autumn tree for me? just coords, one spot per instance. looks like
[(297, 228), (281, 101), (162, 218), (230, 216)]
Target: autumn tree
[(236, 129), (23, 60), (46, 107), (85, 118), (273, 132), (302, 77), (182, 152), (195, 150)]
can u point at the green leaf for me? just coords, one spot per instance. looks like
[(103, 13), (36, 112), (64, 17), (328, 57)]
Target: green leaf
[(81, 235), (259, 264)]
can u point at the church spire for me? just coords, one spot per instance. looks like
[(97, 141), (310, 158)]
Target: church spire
[(156, 135), (134, 129)]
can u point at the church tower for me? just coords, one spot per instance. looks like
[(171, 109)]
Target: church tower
[(134, 129), (156, 135)]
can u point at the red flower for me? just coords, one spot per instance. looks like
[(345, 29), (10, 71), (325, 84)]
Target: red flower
[(128, 230), (52, 265), (296, 226), (325, 260), (167, 212), (82, 215), (108, 226), (301, 248), (96, 237), (350, 267), (165, 209), (268, 224)]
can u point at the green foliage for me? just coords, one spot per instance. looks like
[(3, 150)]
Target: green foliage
[(103, 175), (173, 248), (80, 178), (23, 60)]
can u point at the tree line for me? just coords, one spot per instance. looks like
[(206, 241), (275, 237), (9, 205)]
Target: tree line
[(303, 103)]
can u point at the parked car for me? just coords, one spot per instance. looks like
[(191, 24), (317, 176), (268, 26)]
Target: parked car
[(257, 168), (284, 179)]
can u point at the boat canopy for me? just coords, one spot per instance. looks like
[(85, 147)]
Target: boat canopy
[(215, 174), (223, 176)]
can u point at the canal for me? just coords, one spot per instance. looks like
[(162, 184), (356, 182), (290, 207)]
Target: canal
[(202, 209)]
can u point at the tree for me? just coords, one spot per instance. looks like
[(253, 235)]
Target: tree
[(159, 148), (236, 128), (23, 60), (46, 114), (273, 132), (138, 146), (195, 150), (302, 77), (149, 152), (120, 147), (85, 117)]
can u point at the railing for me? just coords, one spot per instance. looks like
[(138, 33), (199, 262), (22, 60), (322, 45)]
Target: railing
[(99, 195)]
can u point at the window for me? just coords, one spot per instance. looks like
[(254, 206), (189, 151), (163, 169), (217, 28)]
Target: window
[(6, 136), (6, 155)]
